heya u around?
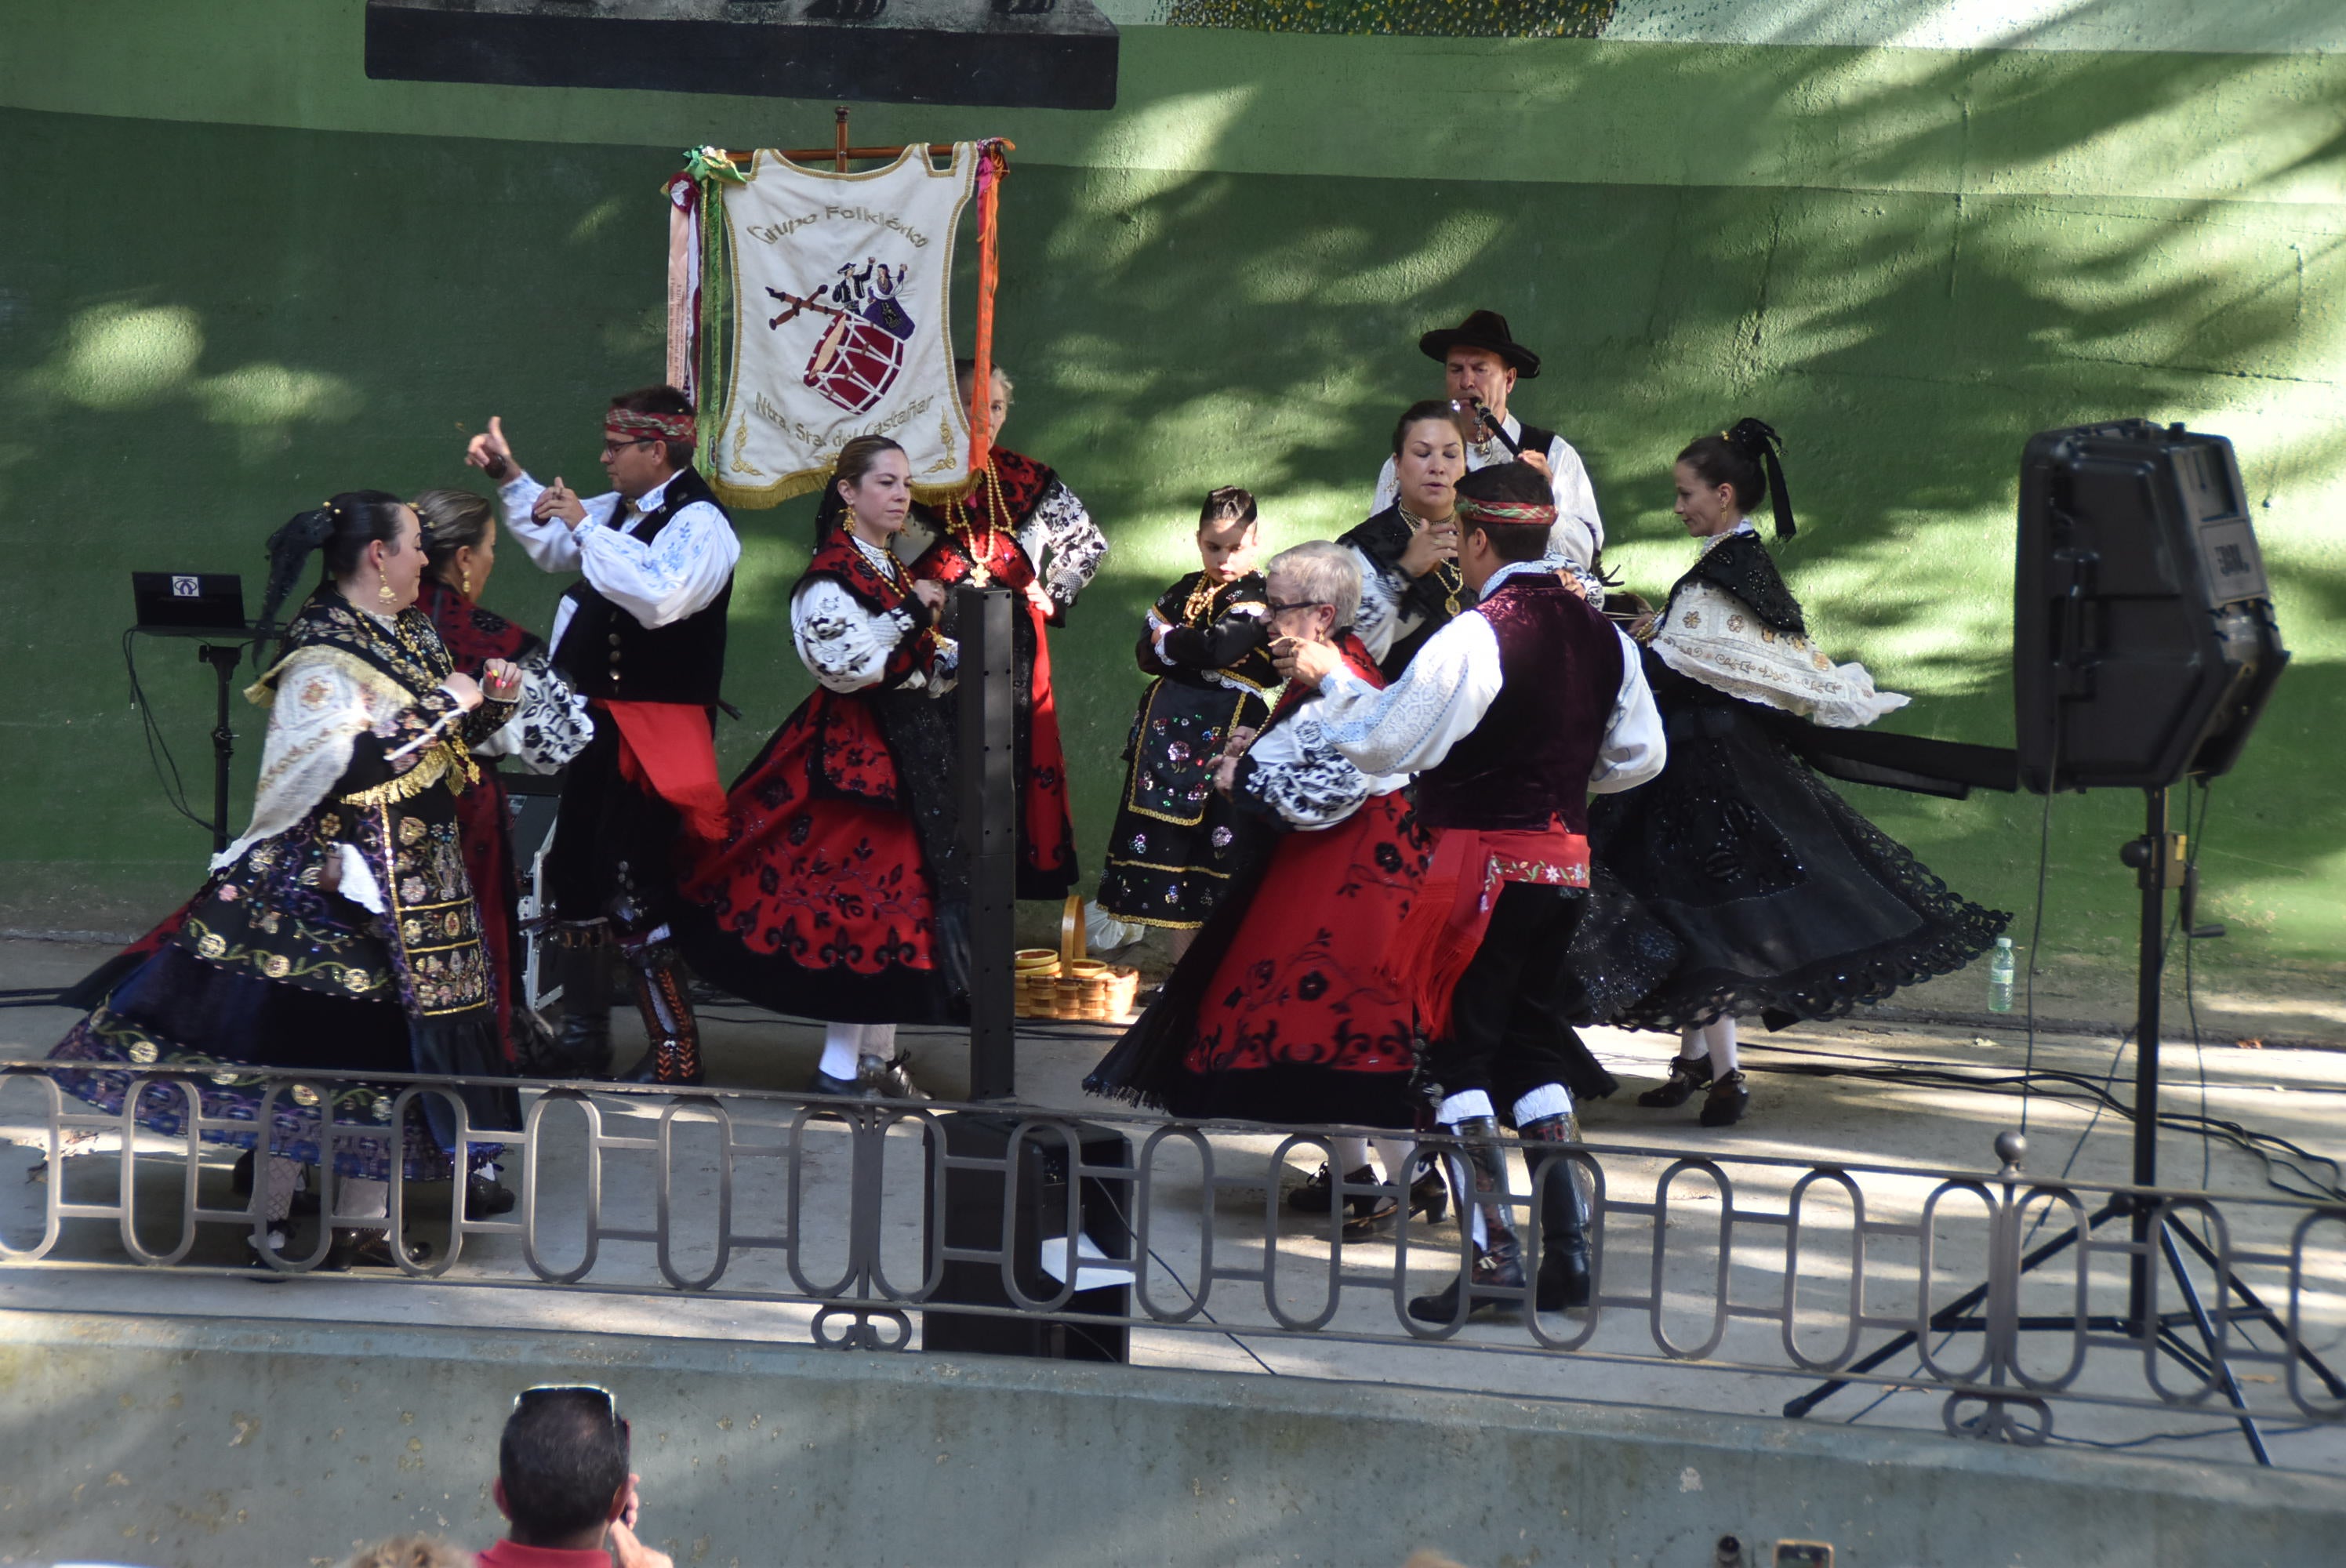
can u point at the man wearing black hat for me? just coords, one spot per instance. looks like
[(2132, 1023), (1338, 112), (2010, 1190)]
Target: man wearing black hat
[(1481, 361)]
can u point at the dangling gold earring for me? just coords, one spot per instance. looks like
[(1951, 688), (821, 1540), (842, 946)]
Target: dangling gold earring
[(465, 584), (383, 591)]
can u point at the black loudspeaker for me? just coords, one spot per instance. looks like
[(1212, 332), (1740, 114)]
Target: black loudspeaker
[(2144, 645), (968, 1208)]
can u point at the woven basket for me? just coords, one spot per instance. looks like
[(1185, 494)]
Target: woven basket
[(1035, 982), (1068, 984)]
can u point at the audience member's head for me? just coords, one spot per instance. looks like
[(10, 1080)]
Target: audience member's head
[(562, 1467), (412, 1551)]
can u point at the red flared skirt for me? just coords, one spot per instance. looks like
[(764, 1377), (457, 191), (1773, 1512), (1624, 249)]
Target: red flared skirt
[(1297, 1024), (818, 901)]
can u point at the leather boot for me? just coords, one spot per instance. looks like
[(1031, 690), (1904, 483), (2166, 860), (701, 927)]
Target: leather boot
[(1496, 1280), (661, 997), (582, 1046), (1564, 1273)]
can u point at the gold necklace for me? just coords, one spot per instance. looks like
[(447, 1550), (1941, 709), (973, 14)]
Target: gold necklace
[(1200, 600), (893, 574), (1444, 572), (964, 531)]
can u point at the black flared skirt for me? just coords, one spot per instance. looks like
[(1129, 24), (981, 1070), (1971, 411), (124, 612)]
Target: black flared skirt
[(1785, 901), (177, 1011)]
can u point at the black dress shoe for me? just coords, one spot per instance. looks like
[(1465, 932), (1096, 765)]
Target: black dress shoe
[(1725, 1105), (581, 1048), (276, 1240), (485, 1197), (1430, 1193), (370, 1249), (1685, 1077), (1316, 1195), (890, 1078), (823, 1083)]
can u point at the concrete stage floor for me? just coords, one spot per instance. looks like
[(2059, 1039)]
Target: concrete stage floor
[(2297, 1093)]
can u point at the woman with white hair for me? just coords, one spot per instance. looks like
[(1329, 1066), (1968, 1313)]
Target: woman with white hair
[(1278, 1012)]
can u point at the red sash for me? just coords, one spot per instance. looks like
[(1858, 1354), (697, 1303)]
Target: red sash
[(1431, 951), (668, 748)]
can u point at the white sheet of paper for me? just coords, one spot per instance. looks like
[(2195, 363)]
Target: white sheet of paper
[(1087, 1254)]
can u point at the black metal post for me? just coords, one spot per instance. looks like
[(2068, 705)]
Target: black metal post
[(989, 806), (223, 661), (2150, 860)]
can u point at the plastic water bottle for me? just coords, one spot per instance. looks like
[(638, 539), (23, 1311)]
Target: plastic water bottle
[(2001, 968)]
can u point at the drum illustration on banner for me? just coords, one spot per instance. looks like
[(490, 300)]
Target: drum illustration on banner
[(862, 346), (842, 324)]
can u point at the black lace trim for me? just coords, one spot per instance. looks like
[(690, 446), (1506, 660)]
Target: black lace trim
[(1954, 931), (1619, 952), (1145, 1066), (1740, 565), (922, 740)]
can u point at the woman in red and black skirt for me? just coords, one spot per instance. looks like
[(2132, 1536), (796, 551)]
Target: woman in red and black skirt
[(1279, 1012), (837, 892)]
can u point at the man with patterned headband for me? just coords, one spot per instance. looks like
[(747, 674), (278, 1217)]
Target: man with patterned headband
[(1509, 716), (642, 634), (1481, 362)]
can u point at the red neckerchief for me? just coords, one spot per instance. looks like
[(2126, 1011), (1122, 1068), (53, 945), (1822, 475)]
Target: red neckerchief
[(473, 636), (1356, 659)]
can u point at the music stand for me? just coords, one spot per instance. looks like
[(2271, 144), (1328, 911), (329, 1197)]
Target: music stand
[(209, 607)]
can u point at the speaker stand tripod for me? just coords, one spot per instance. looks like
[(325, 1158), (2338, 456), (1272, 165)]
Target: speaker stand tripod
[(2160, 863)]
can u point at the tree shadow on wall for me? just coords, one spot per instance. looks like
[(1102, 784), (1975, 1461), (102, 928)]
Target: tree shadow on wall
[(1182, 330)]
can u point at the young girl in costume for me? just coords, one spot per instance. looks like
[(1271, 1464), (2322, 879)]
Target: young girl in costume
[(1207, 645)]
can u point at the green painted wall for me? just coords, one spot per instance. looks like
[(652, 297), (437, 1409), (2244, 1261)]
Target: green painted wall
[(234, 276)]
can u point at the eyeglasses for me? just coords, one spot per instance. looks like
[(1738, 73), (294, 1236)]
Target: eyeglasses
[(623, 445), (1306, 605), (545, 1391)]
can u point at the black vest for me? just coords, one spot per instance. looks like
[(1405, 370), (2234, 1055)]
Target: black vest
[(1535, 439), (1529, 760), (609, 654)]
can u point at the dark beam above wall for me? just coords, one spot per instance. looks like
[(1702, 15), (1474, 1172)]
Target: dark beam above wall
[(1028, 54)]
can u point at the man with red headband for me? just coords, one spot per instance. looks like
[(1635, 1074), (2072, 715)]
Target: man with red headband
[(1509, 716), (642, 634)]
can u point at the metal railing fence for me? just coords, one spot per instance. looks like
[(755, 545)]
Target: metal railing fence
[(2011, 1294)]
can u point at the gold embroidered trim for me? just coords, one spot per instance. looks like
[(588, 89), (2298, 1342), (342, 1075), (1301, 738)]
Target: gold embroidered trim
[(448, 760), (214, 948)]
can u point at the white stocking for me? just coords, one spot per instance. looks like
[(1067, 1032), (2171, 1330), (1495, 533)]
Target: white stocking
[(1719, 1035), (842, 1044), (880, 1040), (1693, 1043), (1400, 1155), (284, 1180), (363, 1200), (1348, 1155)]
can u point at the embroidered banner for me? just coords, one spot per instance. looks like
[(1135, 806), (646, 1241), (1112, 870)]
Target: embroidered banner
[(833, 310)]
